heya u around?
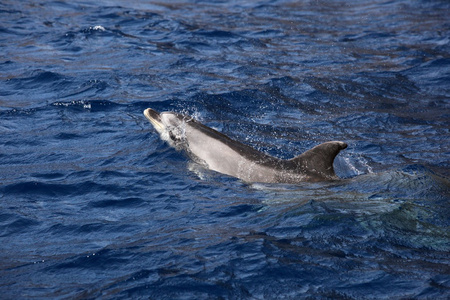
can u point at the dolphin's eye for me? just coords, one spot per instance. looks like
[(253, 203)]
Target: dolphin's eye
[(172, 136)]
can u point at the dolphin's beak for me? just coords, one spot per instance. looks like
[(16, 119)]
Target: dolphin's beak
[(154, 118)]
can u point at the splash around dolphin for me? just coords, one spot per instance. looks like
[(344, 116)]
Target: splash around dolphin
[(220, 153)]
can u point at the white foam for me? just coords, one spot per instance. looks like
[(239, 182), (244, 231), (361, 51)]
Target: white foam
[(98, 27)]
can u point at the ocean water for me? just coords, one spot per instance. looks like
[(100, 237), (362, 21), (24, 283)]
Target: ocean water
[(94, 205)]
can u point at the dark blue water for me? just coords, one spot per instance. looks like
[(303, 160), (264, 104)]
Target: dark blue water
[(94, 205)]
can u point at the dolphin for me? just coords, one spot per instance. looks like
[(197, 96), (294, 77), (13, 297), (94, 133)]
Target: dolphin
[(220, 153)]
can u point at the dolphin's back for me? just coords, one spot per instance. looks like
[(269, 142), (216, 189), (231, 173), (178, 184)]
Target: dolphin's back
[(222, 154), (242, 161), (244, 150)]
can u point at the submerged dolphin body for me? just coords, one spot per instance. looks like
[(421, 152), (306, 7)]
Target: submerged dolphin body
[(222, 154)]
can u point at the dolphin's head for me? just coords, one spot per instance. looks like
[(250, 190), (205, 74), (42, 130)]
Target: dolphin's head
[(168, 124)]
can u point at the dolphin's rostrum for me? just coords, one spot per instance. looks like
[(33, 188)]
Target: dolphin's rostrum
[(222, 154)]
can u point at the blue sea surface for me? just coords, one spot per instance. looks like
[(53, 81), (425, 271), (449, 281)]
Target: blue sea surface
[(93, 204)]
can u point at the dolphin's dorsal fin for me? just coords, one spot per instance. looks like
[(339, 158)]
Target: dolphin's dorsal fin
[(319, 160)]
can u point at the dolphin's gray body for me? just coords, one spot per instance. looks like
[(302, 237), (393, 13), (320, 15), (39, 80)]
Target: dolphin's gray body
[(222, 154)]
